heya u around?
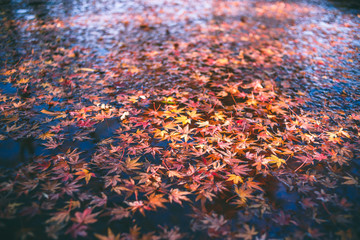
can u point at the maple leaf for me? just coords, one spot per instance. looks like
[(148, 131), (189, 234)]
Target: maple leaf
[(153, 150), (154, 112), (119, 213), (77, 230), (53, 230), (218, 116), (240, 169), (343, 133), (103, 115), (50, 186), (43, 165), (85, 217), (110, 236), (307, 203), (59, 217), (156, 200), (29, 185), (172, 173), (182, 119), (169, 125), (84, 173), (132, 164), (51, 143), (315, 233), (320, 157), (176, 110), (112, 180), (244, 194), (177, 196), (214, 221), (134, 232), (185, 132), (282, 219), (203, 195), (161, 134), (251, 184), (275, 160), (235, 178), (143, 124), (172, 234), (72, 204), (232, 88), (99, 201), (248, 233), (203, 124), (55, 114), (339, 159), (168, 114), (350, 180), (70, 188), (86, 124), (194, 115), (140, 134), (138, 205), (115, 149), (229, 157), (47, 135)]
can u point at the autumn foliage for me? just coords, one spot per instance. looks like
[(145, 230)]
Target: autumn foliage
[(209, 134)]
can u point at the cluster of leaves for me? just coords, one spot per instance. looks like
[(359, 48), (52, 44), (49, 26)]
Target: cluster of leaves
[(191, 124)]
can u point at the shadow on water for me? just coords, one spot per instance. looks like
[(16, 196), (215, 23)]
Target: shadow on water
[(352, 6), (14, 152)]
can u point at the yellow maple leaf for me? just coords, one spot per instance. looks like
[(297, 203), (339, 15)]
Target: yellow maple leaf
[(47, 135), (275, 160), (182, 119), (235, 178), (84, 173)]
